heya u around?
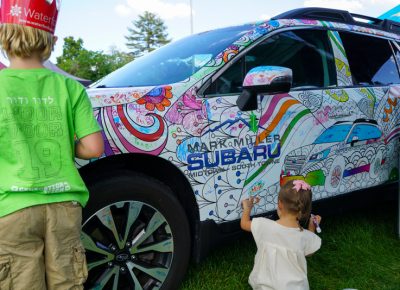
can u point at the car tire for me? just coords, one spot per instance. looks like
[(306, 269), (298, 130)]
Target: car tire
[(335, 175), (136, 234)]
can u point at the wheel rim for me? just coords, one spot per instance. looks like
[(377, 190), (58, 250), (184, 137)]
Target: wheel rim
[(129, 245)]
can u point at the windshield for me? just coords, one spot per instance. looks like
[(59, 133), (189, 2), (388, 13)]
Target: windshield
[(336, 133), (174, 62)]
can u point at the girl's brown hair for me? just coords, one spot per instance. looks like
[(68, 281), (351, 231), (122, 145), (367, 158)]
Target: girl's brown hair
[(24, 41), (296, 202)]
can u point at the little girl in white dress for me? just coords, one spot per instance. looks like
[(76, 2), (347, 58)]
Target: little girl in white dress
[(282, 245)]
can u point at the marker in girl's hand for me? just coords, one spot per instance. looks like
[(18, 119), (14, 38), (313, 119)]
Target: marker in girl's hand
[(316, 224)]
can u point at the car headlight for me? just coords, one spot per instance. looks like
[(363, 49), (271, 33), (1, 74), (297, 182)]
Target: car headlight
[(321, 155)]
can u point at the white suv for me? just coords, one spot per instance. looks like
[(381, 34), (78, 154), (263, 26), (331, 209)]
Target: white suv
[(196, 126)]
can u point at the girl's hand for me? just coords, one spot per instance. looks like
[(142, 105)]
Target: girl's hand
[(311, 224), (248, 203)]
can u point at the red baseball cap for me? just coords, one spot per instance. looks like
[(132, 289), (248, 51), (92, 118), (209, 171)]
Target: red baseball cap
[(41, 14)]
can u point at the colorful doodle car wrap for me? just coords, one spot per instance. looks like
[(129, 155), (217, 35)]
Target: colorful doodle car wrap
[(227, 154), (343, 150)]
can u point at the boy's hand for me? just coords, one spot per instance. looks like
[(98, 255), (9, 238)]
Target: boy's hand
[(248, 203)]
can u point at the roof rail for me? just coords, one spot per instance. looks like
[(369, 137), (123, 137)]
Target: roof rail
[(341, 16), (391, 25)]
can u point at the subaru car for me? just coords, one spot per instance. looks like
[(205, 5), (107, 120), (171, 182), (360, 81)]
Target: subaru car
[(196, 126)]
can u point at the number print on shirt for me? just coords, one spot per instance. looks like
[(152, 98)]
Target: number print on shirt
[(44, 162)]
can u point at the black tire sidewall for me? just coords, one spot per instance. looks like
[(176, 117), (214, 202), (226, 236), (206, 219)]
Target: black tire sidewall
[(129, 186)]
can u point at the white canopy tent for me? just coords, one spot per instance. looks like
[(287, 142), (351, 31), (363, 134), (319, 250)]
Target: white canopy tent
[(48, 64)]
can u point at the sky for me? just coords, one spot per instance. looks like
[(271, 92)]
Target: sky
[(103, 24)]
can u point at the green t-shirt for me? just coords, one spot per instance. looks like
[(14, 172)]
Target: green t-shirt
[(40, 113)]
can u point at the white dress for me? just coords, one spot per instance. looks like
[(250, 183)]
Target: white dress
[(280, 261)]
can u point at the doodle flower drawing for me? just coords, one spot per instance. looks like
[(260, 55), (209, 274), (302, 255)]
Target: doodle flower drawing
[(157, 98)]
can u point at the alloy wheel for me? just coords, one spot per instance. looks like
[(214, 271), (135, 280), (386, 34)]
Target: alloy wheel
[(129, 245)]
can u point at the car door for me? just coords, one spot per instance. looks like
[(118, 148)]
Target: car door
[(254, 144), (232, 135), (372, 95)]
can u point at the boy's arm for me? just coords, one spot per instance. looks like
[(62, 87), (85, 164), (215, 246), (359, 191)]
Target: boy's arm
[(90, 146), (90, 142)]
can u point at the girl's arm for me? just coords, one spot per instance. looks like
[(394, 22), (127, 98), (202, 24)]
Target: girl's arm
[(312, 228), (245, 221)]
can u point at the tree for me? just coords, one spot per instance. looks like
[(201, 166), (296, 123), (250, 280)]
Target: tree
[(149, 33), (81, 62), (88, 64), (119, 58), (72, 51)]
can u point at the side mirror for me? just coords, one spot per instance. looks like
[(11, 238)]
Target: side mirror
[(263, 80)]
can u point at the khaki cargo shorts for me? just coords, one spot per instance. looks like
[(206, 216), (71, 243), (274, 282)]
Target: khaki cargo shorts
[(40, 248)]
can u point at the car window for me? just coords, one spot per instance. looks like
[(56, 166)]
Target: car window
[(176, 61), (307, 52), (336, 133), (371, 59), (396, 48), (364, 132)]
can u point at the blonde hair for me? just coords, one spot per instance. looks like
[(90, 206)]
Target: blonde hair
[(25, 41), (296, 202)]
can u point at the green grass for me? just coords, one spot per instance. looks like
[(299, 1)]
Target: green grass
[(359, 250)]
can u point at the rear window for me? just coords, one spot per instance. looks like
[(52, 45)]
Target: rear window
[(371, 60)]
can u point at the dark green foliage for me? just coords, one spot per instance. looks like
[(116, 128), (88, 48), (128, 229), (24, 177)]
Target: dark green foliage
[(149, 33), (87, 64)]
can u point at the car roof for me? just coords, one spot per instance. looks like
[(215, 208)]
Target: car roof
[(322, 17), (340, 16)]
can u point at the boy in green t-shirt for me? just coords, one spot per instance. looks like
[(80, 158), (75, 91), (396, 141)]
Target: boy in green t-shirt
[(41, 191)]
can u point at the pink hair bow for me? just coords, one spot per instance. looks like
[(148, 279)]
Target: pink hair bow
[(300, 184)]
